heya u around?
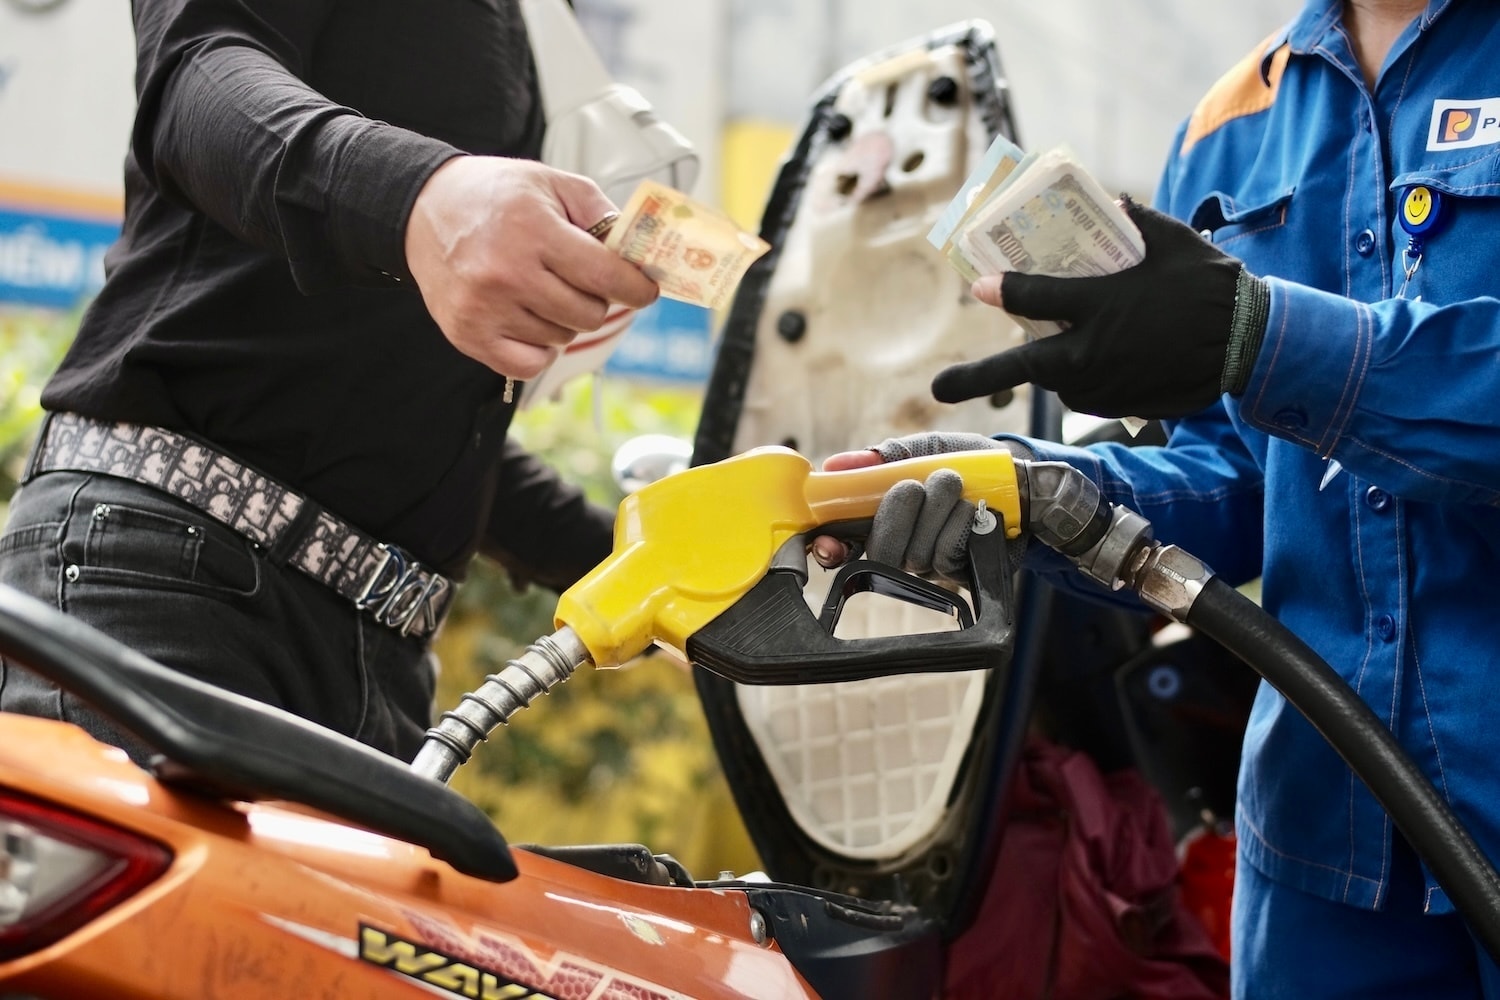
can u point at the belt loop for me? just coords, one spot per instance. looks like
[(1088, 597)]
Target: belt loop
[(281, 550), (37, 447)]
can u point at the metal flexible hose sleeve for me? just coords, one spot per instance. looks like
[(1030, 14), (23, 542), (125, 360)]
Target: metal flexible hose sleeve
[(1367, 746)]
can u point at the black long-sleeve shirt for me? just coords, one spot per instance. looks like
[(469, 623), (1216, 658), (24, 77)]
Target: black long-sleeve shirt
[(258, 297)]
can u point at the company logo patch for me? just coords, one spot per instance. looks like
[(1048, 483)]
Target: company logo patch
[(1463, 124), (1458, 124)]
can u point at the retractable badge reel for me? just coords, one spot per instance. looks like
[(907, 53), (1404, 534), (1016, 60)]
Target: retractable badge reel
[(1421, 210)]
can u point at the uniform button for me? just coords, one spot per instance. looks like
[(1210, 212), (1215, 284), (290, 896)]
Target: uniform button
[(1364, 243), (1291, 420), (1385, 627), (1377, 498)]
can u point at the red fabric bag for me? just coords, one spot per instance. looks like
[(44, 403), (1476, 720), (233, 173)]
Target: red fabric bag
[(1083, 902)]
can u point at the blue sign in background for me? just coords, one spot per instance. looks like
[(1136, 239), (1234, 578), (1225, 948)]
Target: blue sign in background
[(668, 341), (56, 261), (51, 260)]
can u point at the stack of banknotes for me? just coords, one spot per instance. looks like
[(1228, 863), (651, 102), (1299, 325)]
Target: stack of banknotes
[(696, 253), (1038, 214)]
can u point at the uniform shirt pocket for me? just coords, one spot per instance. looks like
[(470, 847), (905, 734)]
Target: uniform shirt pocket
[(1225, 219), (1458, 249)]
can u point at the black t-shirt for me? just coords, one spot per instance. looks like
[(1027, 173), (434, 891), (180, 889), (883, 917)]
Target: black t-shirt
[(258, 297)]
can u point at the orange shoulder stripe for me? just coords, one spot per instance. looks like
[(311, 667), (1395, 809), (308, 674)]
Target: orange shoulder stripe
[(1240, 92)]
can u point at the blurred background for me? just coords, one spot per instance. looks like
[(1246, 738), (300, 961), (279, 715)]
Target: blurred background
[(618, 755)]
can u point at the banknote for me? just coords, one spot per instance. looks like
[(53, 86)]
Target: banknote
[(694, 252), (1056, 220), (1002, 161), (1045, 215)]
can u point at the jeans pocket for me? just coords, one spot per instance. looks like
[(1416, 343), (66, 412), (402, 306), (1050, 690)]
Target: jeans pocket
[(142, 541)]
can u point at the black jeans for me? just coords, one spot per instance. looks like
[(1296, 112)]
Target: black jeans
[(169, 581)]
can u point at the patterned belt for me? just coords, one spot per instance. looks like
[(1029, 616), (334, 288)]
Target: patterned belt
[(379, 578)]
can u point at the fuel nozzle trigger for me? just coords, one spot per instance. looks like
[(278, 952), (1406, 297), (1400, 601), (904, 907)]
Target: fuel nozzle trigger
[(771, 635)]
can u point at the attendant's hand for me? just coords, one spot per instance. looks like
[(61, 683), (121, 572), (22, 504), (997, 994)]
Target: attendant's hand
[(1162, 339), (919, 527), (501, 252)]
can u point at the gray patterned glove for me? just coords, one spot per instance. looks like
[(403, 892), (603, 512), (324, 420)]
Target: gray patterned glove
[(923, 528)]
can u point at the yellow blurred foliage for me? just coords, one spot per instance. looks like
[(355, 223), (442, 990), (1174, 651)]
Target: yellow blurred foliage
[(618, 756)]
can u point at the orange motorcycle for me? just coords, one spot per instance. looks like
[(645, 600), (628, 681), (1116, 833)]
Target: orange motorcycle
[(263, 857)]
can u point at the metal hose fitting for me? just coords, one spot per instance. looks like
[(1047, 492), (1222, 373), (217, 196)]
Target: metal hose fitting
[(546, 663)]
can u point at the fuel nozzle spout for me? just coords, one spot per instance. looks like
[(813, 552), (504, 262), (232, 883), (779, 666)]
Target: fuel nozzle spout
[(1063, 508), (544, 665)]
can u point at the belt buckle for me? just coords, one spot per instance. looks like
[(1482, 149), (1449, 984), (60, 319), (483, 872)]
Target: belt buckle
[(402, 594)]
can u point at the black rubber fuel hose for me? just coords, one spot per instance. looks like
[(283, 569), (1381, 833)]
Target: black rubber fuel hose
[(1367, 746)]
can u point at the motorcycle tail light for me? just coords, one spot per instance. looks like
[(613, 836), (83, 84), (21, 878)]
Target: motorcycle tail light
[(60, 869)]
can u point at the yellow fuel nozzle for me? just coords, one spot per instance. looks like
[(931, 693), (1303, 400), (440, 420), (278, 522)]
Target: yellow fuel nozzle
[(689, 546)]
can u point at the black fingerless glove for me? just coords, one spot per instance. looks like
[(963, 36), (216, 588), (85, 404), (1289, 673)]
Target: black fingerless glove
[(1162, 339)]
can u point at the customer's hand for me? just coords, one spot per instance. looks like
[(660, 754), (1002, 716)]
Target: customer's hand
[(919, 527), (500, 251), (1162, 339)]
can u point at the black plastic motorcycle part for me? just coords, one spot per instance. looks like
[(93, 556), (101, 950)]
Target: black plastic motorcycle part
[(770, 636), (850, 949), (945, 874), (1185, 704), (629, 862), (220, 744)]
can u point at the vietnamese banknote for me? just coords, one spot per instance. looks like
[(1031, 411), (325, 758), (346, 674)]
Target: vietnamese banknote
[(1043, 214), (692, 251), (695, 253), (1002, 161), (1053, 219)]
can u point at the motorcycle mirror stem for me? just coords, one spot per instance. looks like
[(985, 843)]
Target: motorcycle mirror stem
[(646, 458)]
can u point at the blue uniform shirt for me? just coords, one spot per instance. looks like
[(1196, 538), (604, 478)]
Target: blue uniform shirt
[(1392, 573)]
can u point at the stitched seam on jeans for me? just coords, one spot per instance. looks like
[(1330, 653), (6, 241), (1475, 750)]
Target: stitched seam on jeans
[(29, 537)]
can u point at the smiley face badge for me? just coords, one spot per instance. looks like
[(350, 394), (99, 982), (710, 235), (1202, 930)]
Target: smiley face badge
[(1421, 207), (1420, 210)]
